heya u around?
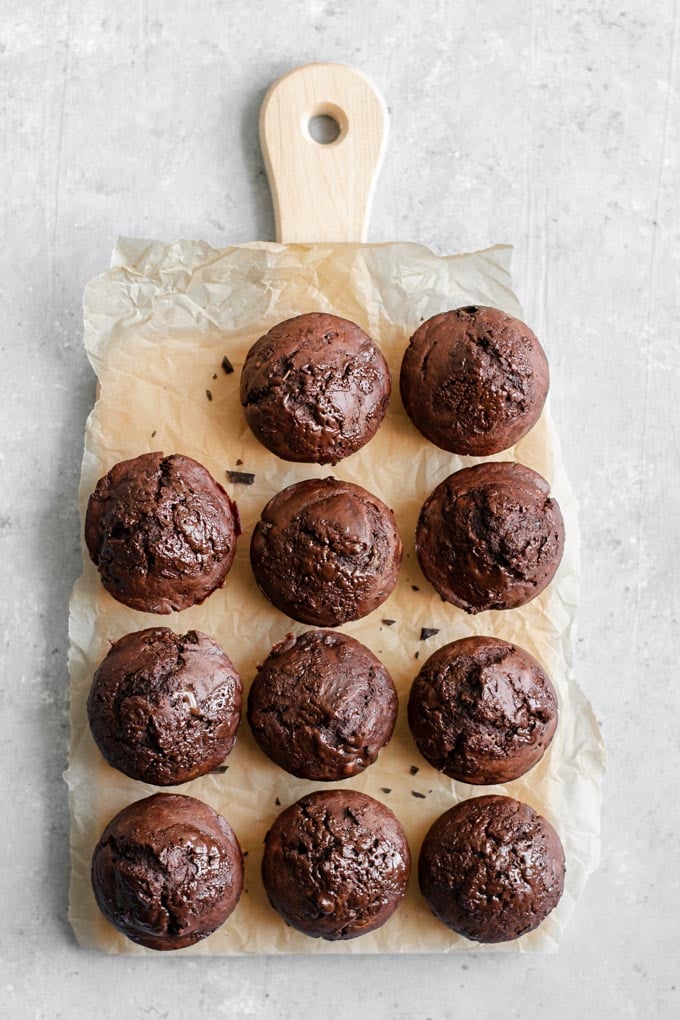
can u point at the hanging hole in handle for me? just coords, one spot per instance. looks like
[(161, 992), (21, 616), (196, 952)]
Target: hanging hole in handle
[(326, 124), (324, 129)]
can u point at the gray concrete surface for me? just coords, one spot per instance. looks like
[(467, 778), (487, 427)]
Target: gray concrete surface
[(553, 126)]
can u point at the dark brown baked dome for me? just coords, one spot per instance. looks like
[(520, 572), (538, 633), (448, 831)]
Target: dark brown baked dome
[(336, 864), (490, 537), (164, 708), (474, 380), (315, 388), (161, 532), (482, 711), (491, 869), (326, 551), (322, 706), (167, 871)]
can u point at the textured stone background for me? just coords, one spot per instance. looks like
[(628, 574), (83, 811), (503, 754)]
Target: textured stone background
[(552, 126)]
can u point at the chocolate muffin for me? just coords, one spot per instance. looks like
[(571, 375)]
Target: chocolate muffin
[(490, 537), (491, 869), (336, 864), (161, 532), (165, 708), (482, 711), (326, 552), (315, 388), (322, 706), (474, 380), (167, 871)]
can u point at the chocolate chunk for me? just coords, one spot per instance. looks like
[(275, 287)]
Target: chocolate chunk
[(208, 394), (386, 789), (415, 793), (241, 477), (414, 587), (227, 366), (428, 632), (414, 770), (388, 623)]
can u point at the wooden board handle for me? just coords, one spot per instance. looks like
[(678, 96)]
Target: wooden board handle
[(322, 192)]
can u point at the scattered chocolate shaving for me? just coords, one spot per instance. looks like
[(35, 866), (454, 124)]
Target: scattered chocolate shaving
[(277, 802), (208, 394), (386, 789), (414, 587), (417, 655), (241, 477), (428, 632), (239, 462), (420, 796), (153, 433), (414, 770), (245, 853), (227, 366), (388, 623), (215, 375)]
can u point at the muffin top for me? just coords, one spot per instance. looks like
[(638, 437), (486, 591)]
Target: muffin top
[(161, 532), (167, 871), (482, 710), (474, 380), (336, 864), (164, 708), (491, 869), (326, 551), (490, 537), (322, 706), (315, 388)]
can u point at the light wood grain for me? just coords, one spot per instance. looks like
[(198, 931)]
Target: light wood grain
[(322, 192)]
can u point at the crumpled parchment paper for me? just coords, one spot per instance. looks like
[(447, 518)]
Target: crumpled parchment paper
[(157, 326)]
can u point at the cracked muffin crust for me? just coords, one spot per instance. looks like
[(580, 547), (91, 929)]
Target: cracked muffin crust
[(474, 380), (164, 708), (315, 388), (326, 551), (482, 711), (491, 869), (336, 864), (167, 871), (490, 537), (322, 706), (161, 532)]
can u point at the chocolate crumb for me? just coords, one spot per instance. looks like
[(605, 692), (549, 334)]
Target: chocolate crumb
[(277, 802), (227, 366), (239, 462), (386, 789), (208, 394), (153, 433), (417, 655), (414, 770), (414, 587), (220, 770), (428, 632), (215, 375), (245, 853), (241, 477), (388, 623), (420, 796)]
